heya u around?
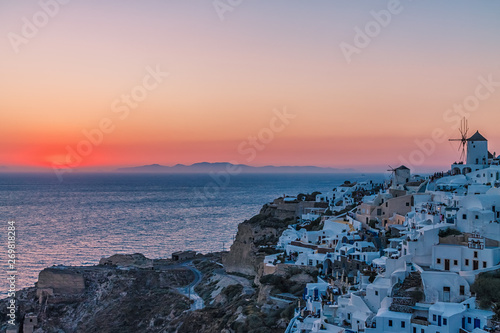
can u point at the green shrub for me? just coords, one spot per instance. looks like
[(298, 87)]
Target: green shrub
[(232, 291), (487, 289), (272, 279), (448, 232)]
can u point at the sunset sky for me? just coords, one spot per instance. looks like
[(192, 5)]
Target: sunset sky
[(228, 77)]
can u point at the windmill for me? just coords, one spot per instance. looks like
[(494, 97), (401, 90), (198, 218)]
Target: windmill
[(393, 174), (464, 129)]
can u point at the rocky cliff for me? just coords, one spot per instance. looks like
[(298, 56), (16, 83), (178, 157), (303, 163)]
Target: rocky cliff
[(254, 235), (104, 299), (130, 293)]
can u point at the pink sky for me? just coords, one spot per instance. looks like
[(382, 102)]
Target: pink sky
[(226, 78)]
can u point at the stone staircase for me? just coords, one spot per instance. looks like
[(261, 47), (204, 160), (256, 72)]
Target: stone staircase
[(402, 299)]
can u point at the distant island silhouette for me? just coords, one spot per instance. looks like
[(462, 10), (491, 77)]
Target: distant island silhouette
[(205, 167)]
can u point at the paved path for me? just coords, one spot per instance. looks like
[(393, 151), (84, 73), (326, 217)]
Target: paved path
[(188, 290), (247, 284)]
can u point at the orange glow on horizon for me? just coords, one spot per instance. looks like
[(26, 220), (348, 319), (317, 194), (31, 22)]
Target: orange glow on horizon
[(225, 79)]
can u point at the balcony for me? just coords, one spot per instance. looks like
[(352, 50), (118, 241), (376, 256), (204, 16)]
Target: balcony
[(420, 321)]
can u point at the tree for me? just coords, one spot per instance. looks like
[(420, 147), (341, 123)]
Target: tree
[(487, 289)]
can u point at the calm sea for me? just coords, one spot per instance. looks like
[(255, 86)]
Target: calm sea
[(89, 216)]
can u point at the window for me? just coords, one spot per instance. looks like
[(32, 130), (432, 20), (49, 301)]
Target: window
[(446, 289), (433, 317), (484, 264), (477, 217), (407, 204), (466, 262), (390, 323), (455, 262), (348, 316), (445, 321), (403, 324), (376, 293), (475, 254), (462, 290), (469, 320), (438, 261), (464, 216), (422, 330)]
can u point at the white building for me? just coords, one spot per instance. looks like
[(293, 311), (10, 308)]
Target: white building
[(480, 214)]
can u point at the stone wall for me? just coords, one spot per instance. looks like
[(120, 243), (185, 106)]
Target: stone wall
[(61, 281)]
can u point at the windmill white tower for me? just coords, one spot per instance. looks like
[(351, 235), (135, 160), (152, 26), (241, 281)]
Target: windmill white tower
[(400, 176), (473, 151), (477, 150)]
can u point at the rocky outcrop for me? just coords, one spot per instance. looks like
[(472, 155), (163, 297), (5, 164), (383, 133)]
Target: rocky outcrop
[(261, 230), (243, 257), (283, 210), (105, 299), (127, 260)]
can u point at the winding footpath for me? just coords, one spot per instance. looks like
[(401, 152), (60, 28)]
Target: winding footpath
[(188, 290)]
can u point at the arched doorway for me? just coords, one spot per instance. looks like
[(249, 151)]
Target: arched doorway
[(328, 267)]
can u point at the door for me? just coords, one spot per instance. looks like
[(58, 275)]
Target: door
[(475, 265), (446, 294), (463, 322), (447, 264), (477, 323), (439, 320)]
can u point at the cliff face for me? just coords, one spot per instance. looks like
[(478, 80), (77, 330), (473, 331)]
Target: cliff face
[(104, 299), (264, 229), (130, 293)]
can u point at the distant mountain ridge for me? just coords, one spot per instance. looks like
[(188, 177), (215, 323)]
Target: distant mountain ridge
[(206, 167)]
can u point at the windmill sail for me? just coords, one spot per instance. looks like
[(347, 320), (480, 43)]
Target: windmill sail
[(464, 130)]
